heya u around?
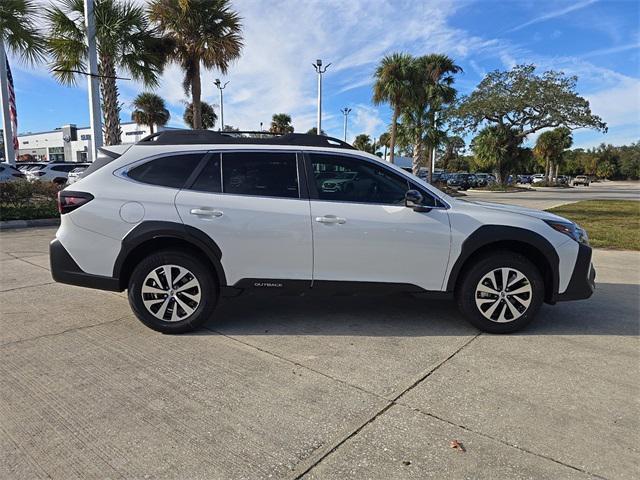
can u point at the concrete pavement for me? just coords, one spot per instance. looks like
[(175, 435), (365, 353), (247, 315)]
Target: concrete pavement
[(543, 198), (290, 387)]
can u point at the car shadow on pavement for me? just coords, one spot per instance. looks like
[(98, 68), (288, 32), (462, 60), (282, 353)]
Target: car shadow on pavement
[(614, 309)]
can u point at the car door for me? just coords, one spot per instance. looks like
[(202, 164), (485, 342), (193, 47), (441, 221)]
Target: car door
[(362, 230), (250, 203)]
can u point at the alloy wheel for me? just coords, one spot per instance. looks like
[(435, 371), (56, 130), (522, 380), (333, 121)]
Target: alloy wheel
[(171, 293), (503, 295)]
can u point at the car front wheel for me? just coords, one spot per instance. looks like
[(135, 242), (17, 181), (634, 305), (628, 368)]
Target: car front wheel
[(501, 293), (172, 292)]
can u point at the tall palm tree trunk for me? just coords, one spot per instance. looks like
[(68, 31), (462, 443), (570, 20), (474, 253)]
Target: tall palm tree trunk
[(429, 165), (196, 96), (394, 132), (546, 169), (418, 152), (110, 105)]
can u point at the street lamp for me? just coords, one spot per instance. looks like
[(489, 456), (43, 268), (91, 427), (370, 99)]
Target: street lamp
[(345, 111), (319, 71), (221, 87)]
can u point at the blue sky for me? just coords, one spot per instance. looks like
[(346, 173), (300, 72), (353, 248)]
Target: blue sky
[(597, 40)]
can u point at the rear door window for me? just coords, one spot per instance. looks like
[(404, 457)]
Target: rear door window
[(170, 171), (265, 174)]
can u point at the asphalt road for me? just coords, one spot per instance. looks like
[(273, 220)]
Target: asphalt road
[(323, 388), (543, 198)]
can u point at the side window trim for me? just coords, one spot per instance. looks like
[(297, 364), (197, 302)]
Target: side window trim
[(198, 170)]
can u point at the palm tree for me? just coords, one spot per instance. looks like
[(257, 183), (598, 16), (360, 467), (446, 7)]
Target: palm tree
[(384, 140), (550, 147), (281, 123), (18, 31), (497, 148), (363, 142), (202, 32), (125, 42), (208, 116), (314, 131), (432, 77), (150, 110), (20, 36), (392, 85)]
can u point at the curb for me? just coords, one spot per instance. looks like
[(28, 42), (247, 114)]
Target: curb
[(497, 191), (40, 222)]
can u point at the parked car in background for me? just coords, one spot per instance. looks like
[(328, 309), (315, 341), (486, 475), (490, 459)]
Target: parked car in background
[(484, 179), (562, 180), (525, 179), (537, 178), (9, 173), (26, 166), (581, 180), (463, 181), (75, 174), (54, 172)]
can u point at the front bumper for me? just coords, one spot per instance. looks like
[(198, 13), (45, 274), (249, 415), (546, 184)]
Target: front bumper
[(583, 279), (64, 269)]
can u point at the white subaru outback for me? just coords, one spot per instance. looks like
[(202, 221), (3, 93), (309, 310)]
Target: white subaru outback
[(184, 217)]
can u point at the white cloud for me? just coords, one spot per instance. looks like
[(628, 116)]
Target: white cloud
[(619, 105), (554, 14)]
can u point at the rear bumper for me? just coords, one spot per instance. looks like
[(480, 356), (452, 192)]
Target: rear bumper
[(583, 280), (64, 269)]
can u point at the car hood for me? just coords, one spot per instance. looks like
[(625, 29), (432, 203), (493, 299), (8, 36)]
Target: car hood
[(530, 212)]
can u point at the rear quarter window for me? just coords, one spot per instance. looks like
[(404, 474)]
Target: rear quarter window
[(169, 171)]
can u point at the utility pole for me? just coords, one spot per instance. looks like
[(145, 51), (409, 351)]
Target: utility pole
[(95, 116), (319, 71), (9, 151), (345, 111), (221, 87)]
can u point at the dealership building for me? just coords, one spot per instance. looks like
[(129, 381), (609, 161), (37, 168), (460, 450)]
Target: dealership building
[(70, 143)]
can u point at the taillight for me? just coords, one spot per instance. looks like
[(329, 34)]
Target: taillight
[(69, 201)]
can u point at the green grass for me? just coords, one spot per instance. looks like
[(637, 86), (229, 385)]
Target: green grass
[(609, 223)]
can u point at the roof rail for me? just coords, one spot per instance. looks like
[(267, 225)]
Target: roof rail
[(195, 137)]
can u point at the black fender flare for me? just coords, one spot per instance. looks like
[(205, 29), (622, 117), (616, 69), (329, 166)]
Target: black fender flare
[(502, 235), (151, 230)]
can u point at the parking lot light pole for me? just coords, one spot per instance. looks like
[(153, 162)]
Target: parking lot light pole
[(319, 71), (221, 87), (95, 115), (345, 111)]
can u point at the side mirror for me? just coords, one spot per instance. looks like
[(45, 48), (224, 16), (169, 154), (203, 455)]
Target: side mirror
[(413, 199)]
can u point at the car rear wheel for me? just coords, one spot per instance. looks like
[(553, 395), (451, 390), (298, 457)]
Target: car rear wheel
[(172, 292), (501, 293)]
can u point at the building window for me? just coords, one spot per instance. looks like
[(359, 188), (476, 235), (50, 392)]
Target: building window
[(137, 132), (85, 136)]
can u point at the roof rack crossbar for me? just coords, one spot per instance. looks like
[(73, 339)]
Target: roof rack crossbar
[(193, 137)]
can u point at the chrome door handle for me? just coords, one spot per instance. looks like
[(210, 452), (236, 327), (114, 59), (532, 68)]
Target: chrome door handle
[(206, 212), (331, 219)]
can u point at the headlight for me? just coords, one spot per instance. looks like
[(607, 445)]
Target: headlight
[(571, 230)]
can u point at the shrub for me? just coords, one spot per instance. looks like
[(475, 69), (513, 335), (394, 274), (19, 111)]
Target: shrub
[(24, 200)]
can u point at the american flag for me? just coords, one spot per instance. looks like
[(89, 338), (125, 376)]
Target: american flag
[(13, 113)]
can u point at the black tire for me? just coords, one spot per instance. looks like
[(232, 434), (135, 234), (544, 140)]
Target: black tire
[(208, 290), (466, 292)]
